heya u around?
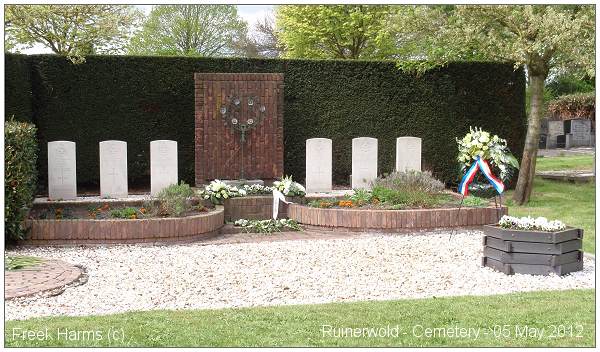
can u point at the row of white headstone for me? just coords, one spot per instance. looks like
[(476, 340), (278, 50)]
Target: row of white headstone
[(319, 168), (62, 176)]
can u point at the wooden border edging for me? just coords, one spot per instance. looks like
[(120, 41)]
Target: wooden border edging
[(395, 219)]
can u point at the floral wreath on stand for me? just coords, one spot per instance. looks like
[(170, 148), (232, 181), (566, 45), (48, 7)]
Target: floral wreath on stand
[(479, 151)]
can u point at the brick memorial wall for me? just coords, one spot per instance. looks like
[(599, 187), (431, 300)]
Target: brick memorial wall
[(217, 145)]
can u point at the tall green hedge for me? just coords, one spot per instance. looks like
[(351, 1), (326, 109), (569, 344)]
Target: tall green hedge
[(140, 99), (20, 176), (17, 87)]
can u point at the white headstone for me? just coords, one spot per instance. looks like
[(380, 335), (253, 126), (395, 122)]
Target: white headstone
[(408, 153), (364, 162), (62, 177), (113, 169), (163, 165), (318, 165)]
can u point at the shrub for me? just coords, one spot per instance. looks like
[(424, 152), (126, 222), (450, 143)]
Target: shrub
[(410, 180), (174, 199), (574, 106), (404, 198), (338, 99), (20, 176), (472, 201), (361, 197), (125, 213)]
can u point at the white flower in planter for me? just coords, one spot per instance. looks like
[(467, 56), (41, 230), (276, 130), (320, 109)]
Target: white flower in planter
[(529, 223)]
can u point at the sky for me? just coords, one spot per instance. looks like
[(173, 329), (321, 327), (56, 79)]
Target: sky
[(250, 13)]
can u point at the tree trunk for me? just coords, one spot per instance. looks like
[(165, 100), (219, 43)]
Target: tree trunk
[(532, 140)]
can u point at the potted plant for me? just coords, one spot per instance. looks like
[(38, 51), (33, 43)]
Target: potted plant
[(532, 246)]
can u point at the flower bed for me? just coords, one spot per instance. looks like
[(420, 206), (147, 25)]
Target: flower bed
[(376, 219), (150, 230)]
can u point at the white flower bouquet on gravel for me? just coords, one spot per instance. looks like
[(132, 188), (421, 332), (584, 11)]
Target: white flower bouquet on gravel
[(530, 224), (268, 226)]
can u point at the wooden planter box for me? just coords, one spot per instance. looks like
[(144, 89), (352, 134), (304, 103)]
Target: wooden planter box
[(532, 252)]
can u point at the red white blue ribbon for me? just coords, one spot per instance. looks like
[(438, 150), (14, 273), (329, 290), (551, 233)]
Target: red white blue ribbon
[(463, 187)]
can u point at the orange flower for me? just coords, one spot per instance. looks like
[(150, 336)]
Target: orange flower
[(132, 216), (143, 210), (345, 203), (105, 207)]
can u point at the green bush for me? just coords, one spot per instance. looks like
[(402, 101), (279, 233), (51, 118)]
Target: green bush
[(574, 106), (405, 198), (20, 176), (140, 99), (473, 201), (411, 180), (124, 213), (174, 199)]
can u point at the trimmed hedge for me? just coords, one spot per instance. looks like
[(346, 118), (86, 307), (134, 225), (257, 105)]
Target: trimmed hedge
[(17, 87), (20, 176), (572, 106), (140, 99)]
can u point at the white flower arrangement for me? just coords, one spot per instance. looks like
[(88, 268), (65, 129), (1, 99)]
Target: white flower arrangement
[(529, 223), (267, 226), (289, 188), (479, 143), (258, 189), (217, 191)]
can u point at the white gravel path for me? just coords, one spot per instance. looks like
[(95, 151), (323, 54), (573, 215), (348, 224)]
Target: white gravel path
[(365, 267)]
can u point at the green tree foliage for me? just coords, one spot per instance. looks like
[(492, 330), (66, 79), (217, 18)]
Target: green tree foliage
[(191, 30), (71, 30), (543, 38), (335, 31)]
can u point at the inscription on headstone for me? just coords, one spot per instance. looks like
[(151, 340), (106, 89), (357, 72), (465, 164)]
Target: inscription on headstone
[(113, 169), (318, 165), (62, 177), (364, 162), (163, 165), (408, 153)]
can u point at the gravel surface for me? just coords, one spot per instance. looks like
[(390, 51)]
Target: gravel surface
[(365, 267)]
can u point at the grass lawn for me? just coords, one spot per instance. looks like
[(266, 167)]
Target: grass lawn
[(304, 325), (575, 162), (572, 203)]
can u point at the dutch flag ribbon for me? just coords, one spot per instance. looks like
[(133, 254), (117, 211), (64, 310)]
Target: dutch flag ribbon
[(463, 187)]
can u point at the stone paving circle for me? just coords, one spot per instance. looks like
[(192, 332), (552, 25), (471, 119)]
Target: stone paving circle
[(49, 275)]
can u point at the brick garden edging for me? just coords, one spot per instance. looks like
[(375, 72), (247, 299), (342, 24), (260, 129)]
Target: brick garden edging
[(259, 207), (111, 231), (366, 219), (250, 207)]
